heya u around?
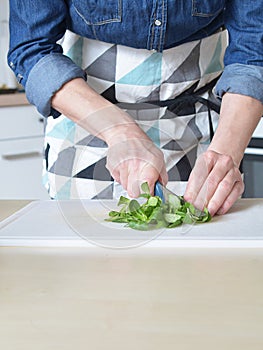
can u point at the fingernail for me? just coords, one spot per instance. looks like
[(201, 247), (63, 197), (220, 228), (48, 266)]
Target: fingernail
[(211, 210), (188, 197)]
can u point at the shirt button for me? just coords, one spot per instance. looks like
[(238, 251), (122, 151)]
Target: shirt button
[(157, 22)]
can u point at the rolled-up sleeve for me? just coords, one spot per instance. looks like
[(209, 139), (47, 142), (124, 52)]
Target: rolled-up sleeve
[(243, 73), (46, 77), (35, 55), (241, 79)]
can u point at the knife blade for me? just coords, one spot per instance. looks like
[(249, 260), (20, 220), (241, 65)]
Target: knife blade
[(163, 192)]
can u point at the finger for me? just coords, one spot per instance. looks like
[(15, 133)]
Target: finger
[(150, 175), (223, 190), (116, 175), (135, 176), (219, 179), (123, 171), (151, 169), (133, 185), (163, 177), (236, 192), (198, 176), (218, 166)]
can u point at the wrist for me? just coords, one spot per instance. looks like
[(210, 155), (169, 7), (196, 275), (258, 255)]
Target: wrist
[(235, 156), (239, 117), (123, 132)]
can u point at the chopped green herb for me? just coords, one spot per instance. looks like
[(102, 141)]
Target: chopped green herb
[(153, 213)]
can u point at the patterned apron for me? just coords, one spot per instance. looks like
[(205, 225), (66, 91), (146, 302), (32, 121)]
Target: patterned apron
[(169, 94)]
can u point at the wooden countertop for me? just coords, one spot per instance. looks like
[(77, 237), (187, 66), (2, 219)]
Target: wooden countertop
[(9, 207), (15, 99), (100, 299), (78, 298)]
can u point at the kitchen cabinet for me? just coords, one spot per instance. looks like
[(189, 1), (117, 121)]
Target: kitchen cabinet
[(21, 149), (21, 132)]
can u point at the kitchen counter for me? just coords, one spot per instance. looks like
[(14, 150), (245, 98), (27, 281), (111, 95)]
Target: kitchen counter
[(15, 99), (8, 207), (176, 298)]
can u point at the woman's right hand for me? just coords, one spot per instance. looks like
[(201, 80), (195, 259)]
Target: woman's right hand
[(135, 159)]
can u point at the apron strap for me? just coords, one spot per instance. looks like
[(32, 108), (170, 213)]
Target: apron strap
[(187, 97)]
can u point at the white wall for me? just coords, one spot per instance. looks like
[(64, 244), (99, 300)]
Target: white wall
[(4, 9), (7, 77)]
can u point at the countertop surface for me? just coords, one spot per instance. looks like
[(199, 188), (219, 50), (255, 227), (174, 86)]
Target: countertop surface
[(9, 207), (96, 298)]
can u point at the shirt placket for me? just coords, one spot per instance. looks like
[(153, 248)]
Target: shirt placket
[(157, 26)]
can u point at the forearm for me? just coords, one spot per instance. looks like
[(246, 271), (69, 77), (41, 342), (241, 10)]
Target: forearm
[(238, 119), (94, 113)]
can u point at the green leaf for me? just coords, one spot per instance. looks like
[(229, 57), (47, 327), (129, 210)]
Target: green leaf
[(123, 200), (205, 217), (174, 201), (133, 205), (142, 226), (152, 201), (188, 219), (144, 195), (145, 187), (175, 224), (171, 218), (113, 213)]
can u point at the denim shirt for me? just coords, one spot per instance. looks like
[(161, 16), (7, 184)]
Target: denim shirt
[(36, 27)]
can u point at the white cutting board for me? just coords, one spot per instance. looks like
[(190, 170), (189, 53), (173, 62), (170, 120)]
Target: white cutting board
[(81, 223)]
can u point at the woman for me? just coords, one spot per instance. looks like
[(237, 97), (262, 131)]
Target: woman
[(147, 109)]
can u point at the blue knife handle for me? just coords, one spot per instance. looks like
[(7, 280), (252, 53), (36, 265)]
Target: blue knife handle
[(158, 191)]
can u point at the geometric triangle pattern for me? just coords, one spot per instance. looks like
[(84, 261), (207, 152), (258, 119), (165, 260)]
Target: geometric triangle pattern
[(137, 76), (75, 51), (106, 193), (189, 69), (61, 128), (154, 134), (96, 171), (92, 141), (173, 145), (154, 95), (215, 65), (182, 169), (192, 131), (110, 94), (104, 66), (141, 82), (64, 163), (184, 107), (64, 191)]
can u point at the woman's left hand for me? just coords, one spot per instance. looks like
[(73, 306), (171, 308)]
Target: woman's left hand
[(215, 183)]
